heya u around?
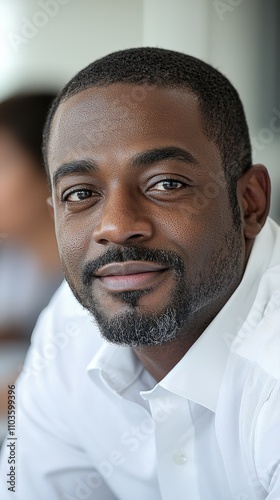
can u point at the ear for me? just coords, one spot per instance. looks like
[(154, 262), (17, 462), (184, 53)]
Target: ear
[(253, 190), (50, 206)]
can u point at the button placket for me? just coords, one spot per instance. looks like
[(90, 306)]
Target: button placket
[(180, 457), (174, 438)]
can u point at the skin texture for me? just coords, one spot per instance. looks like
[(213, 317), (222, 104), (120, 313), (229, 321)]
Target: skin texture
[(124, 202)]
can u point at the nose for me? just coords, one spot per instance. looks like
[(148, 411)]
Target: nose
[(123, 218)]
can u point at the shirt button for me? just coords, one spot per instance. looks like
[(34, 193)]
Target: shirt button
[(179, 457)]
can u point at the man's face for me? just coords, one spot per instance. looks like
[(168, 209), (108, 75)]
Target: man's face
[(143, 220)]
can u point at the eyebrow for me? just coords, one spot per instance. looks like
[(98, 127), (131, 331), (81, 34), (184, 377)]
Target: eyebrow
[(74, 167), (145, 158), (159, 154)]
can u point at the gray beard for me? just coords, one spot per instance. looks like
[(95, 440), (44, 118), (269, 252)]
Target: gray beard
[(139, 329)]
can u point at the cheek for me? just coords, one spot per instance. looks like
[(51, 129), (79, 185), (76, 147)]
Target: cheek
[(178, 225), (196, 235)]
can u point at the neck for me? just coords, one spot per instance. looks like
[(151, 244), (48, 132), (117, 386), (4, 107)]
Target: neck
[(160, 359)]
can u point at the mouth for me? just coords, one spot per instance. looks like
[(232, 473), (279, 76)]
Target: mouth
[(129, 276)]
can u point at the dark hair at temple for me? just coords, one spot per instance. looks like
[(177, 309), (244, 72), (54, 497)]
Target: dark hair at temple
[(224, 119), (24, 116)]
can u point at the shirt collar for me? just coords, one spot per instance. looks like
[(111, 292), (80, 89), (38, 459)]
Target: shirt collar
[(116, 367), (198, 376)]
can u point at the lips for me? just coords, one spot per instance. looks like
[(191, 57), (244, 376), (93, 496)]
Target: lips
[(128, 276)]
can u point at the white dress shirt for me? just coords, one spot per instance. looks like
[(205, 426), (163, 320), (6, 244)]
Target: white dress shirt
[(92, 424)]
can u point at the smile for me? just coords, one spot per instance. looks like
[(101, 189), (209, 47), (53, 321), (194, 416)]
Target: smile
[(128, 276)]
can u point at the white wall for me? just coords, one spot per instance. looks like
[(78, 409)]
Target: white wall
[(178, 25), (72, 34)]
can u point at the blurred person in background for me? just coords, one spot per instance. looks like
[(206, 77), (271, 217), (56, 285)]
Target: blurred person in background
[(30, 269), (29, 261)]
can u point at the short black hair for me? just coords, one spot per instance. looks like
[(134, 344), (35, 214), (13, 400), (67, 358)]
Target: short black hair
[(222, 110), (24, 116)]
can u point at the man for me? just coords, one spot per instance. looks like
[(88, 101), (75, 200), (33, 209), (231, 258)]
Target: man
[(161, 222)]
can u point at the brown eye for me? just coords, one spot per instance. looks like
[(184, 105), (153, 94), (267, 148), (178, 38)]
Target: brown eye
[(78, 195), (169, 185)]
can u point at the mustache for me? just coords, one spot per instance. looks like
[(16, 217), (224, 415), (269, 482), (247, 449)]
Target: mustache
[(132, 253)]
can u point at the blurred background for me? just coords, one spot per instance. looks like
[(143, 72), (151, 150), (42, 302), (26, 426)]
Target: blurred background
[(43, 43)]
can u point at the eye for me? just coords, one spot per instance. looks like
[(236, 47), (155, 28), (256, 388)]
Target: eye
[(77, 195), (169, 185)]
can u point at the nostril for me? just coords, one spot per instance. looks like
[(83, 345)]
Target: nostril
[(118, 238), (118, 225), (136, 236)]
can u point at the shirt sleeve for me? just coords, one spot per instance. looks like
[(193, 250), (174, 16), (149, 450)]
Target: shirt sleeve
[(267, 445), (50, 463)]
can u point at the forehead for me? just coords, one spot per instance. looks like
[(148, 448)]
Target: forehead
[(123, 119)]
